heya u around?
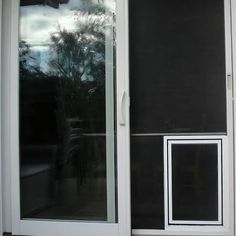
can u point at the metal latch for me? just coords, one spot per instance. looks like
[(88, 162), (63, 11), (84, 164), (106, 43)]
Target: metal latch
[(229, 81)]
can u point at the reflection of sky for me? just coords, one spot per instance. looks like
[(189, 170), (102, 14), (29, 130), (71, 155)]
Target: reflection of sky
[(38, 22)]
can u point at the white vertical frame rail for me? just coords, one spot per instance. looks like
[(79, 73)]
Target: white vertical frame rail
[(230, 228), (233, 28), (110, 112), (70, 228), (123, 133), (5, 118)]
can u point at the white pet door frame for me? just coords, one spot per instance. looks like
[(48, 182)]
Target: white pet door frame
[(219, 147)]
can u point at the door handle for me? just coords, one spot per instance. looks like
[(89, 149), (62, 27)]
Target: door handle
[(122, 108)]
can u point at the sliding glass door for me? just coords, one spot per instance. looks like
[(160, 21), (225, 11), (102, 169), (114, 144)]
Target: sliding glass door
[(69, 174), (71, 65), (181, 117)]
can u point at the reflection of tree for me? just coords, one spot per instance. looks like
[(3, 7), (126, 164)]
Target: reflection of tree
[(67, 99), (26, 63), (79, 62), (77, 59), (80, 55)]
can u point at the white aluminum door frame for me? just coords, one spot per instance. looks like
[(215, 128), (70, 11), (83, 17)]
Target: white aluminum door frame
[(233, 31), (11, 83), (230, 9)]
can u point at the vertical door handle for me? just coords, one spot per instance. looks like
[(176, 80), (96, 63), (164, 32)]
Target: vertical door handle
[(122, 108)]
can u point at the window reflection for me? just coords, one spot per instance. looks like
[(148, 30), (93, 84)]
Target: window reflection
[(63, 126)]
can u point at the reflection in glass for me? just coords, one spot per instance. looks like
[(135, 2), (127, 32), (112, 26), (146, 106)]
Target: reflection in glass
[(67, 141)]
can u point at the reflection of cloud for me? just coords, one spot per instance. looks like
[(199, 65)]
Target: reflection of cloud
[(40, 48), (38, 22)]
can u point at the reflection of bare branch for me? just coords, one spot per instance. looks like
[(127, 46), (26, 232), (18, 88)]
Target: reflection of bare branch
[(82, 51), (60, 67)]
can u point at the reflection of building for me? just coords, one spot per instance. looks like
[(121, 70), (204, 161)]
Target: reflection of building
[(51, 3)]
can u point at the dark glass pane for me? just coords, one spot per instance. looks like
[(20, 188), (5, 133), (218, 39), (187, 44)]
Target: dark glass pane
[(56, 190), (195, 182), (147, 183), (67, 58), (177, 66)]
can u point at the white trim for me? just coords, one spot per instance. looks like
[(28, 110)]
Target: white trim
[(228, 167), (50, 228), (233, 28), (179, 134), (182, 232), (6, 165), (14, 118), (110, 123), (123, 131), (168, 142)]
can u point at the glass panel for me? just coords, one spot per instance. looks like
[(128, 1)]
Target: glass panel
[(67, 126), (147, 182), (177, 66), (195, 182)]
